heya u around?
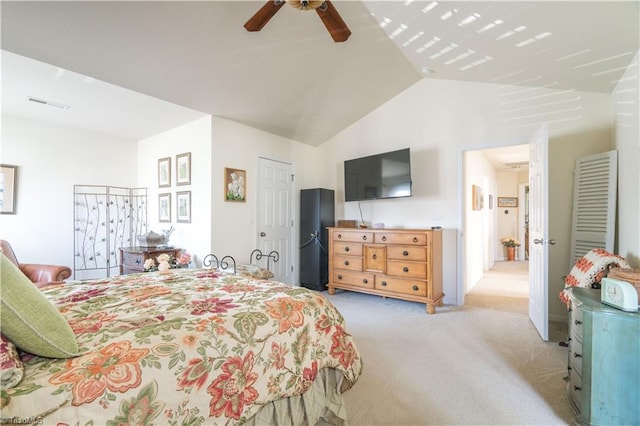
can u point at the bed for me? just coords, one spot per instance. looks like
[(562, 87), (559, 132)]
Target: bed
[(189, 346)]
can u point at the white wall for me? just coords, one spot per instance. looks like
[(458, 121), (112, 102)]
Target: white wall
[(478, 223), (51, 160), (625, 101), (439, 120), (238, 146), (194, 137)]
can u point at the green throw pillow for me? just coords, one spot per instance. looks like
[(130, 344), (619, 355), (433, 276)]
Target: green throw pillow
[(29, 319)]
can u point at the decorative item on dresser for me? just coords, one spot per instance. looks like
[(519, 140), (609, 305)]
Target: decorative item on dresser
[(604, 361), (132, 258), (401, 263)]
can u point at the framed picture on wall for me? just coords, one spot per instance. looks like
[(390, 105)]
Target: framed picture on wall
[(183, 169), (183, 202), (8, 189), (235, 184), (507, 201), (164, 208), (476, 195), (164, 172)]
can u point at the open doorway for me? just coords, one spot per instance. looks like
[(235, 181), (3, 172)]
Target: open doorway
[(502, 174)]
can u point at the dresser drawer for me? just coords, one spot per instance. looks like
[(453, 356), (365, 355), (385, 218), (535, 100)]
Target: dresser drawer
[(353, 249), (575, 355), (399, 285), (356, 279), (414, 253), (351, 263), (577, 321), (574, 389), (353, 236), (400, 268), (415, 239)]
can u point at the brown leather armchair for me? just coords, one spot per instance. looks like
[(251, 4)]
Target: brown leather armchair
[(37, 273)]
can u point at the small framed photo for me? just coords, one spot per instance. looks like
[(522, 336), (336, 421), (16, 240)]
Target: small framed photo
[(235, 184), (183, 201), (164, 208), (8, 189), (164, 172), (183, 169), (507, 201), (476, 197)]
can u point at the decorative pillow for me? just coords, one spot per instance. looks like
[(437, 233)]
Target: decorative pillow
[(11, 367), (29, 319), (590, 269), (250, 270)]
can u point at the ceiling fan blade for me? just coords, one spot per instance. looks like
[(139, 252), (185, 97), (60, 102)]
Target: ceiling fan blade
[(334, 23), (262, 16)]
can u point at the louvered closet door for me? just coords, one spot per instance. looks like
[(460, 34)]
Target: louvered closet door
[(594, 204)]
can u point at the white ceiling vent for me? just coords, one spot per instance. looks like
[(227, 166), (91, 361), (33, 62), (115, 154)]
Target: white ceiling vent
[(517, 164), (48, 103)]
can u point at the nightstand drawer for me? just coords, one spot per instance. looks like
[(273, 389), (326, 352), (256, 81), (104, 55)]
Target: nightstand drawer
[(133, 260)]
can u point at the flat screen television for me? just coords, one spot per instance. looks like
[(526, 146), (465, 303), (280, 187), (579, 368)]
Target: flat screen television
[(386, 175)]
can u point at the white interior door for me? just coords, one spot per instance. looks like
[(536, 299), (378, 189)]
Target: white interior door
[(539, 232), (275, 219)]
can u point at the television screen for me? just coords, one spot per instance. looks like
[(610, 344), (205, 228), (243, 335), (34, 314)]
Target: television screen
[(386, 175)]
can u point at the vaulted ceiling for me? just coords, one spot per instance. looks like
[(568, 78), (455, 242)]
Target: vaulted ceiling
[(290, 78)]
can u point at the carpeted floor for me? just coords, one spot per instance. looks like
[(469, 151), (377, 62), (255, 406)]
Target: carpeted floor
[(470, 365)]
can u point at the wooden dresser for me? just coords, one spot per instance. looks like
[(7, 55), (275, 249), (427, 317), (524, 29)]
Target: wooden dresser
[(604, 361), (132, 258), (400, 263)]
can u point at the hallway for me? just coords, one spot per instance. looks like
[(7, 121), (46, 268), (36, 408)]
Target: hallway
[(505, 287)]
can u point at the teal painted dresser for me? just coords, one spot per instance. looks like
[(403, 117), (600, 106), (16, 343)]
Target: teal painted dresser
[(604, 361)]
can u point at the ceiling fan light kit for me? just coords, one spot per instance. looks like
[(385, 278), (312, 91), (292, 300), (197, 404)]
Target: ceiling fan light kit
[(325, 9)]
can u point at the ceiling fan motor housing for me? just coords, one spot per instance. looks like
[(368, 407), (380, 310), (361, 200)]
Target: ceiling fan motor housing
[(305, 4)]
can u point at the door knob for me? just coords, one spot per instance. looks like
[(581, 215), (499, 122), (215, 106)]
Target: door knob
[(552, 242), (263, 234)]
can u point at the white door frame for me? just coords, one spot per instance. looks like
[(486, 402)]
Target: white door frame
[(461, 274)]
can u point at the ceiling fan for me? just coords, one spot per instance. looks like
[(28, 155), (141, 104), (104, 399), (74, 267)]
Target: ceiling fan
[(325, 9)]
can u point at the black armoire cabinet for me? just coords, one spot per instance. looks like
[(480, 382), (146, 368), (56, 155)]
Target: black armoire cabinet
[(316, 214)]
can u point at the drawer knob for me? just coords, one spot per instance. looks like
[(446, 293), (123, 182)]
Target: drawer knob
[(576, 322), (346, 249), (405, 269), (374, 257), (339, 277), (365, 281), (416, 288), (576, 355), (384, 238), (364, 237), (405, 253), (339, 236), (346, 263), (577, 388), (415, 239), (138, 261), (384, 283)]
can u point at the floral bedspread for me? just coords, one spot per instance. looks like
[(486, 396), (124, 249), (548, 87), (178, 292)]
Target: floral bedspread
[(188, 347)]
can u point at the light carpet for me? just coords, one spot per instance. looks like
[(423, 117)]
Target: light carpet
[(461, 366)]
